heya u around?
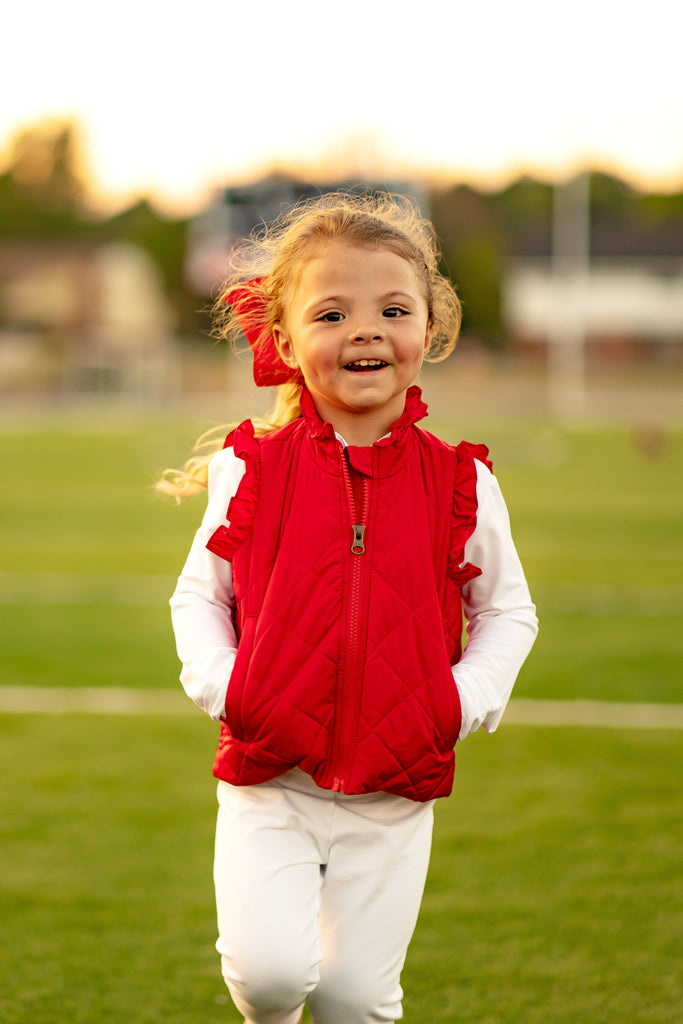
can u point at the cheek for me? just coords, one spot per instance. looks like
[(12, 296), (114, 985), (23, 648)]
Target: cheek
[(418, 349), (318, 357)]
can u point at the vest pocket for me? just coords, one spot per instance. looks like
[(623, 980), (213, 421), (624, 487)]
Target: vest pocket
[(457, 712), (235, 694), (449, 717)]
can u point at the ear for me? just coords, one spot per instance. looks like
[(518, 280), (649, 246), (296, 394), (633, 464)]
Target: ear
[(284, 346), (428, 336)]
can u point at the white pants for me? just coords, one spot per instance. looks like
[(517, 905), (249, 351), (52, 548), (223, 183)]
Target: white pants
[(317, 895)]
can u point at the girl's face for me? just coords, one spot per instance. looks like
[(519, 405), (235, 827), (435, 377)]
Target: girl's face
[(357, 328)]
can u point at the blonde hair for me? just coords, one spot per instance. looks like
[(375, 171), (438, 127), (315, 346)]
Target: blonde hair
[(272, 259)]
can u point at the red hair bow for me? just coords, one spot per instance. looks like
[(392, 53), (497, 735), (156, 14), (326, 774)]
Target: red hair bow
[(249, 306)]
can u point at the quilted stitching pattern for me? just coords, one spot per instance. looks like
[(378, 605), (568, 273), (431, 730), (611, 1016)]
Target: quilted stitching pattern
[(291, 571)]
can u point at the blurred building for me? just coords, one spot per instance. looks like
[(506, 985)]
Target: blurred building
[(236, 211), (81, 316), (615, 287), (628, 307)]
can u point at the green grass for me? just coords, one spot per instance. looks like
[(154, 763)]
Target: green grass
[(106, 867), (554, 891), (80, 501), (89, 555), (553, 894)]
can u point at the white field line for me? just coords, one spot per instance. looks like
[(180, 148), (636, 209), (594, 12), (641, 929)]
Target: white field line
[(609, 714), (119, 701), (92, 700)]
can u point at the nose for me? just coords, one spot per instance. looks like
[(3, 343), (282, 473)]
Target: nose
[(365, 332)]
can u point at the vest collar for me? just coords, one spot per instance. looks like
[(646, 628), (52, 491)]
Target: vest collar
[(415, 409)]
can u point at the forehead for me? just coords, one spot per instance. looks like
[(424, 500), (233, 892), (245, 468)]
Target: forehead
[(337, 267)]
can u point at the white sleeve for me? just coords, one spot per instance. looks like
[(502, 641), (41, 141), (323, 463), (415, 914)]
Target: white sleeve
[(203, 601), (502, 623)]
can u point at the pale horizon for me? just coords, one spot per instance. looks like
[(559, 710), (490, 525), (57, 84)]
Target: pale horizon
[(171, 108)]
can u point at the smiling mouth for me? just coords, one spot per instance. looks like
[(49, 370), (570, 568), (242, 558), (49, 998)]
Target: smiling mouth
[(365, 365)]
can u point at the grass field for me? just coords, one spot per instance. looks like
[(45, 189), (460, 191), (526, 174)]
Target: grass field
[(89, 556), (555, 888)]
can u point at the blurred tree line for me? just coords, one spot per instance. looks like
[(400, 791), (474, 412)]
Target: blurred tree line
[(481, 232), (44, 196)]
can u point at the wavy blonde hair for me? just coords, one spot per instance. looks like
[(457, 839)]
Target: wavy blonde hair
[(276, 254)]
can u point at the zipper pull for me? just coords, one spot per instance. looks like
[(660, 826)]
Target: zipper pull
[(357, 545)]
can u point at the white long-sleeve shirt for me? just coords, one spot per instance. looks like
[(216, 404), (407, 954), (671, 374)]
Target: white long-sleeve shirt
[(502, 623)]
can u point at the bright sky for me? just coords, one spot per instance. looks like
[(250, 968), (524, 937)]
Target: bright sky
[(173, 99)]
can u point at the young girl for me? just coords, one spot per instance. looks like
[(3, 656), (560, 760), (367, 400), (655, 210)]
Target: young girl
[(319, 614)]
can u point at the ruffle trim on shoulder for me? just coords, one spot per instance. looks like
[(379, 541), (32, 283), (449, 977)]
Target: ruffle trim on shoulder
[(464, 511), (242, 506), (477, 451)]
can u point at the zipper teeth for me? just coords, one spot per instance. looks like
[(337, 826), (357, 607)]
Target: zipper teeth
[(364, 501), (354, 619), (350, 500), (350, 497), (340, 766)]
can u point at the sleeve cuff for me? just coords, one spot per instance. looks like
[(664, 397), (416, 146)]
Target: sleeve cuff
[(479, 704)]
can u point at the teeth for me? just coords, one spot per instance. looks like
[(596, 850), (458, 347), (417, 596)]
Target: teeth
[(367, 362)]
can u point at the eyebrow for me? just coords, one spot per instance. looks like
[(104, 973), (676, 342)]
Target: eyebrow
[(344, 298)]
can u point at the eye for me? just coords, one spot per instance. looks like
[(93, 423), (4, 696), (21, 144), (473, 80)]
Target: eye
[(394, 312), (333, 316)]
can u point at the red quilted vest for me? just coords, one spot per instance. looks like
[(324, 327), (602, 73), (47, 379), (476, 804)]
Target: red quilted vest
[(347, 568)]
